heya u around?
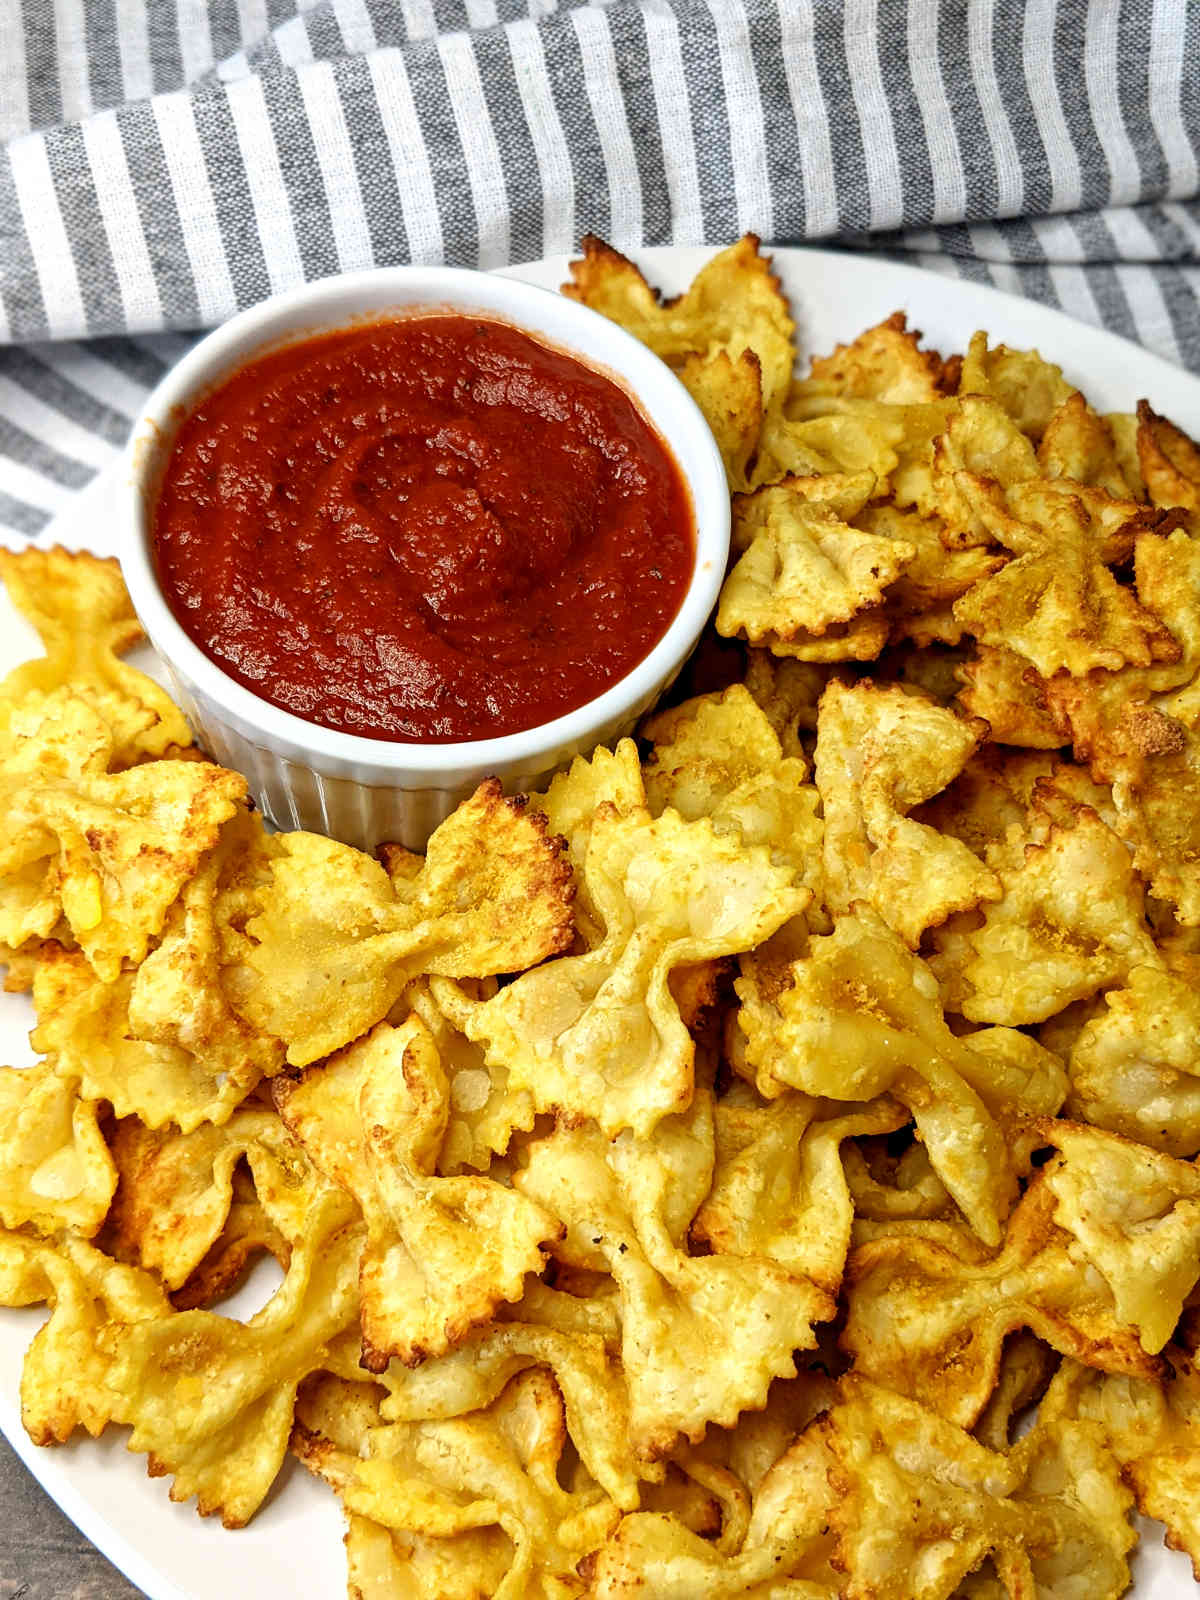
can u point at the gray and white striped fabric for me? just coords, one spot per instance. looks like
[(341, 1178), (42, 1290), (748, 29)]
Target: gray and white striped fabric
[(166, 162)]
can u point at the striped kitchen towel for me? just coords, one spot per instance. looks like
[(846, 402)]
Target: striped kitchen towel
[(166, 162)]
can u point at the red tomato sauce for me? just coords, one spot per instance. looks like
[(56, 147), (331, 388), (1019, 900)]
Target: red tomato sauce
[(433, 528)]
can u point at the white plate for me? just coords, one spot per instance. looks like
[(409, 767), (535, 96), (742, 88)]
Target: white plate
[(293, 1547)]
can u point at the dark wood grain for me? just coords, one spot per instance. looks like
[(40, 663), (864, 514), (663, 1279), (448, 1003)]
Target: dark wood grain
[(43, 1556)]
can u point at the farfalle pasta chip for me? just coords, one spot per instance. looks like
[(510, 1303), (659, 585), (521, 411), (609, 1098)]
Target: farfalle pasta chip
[(627, 1206), (1051, 1513), (803, 568), (485, 1109), (1153, 1432), (861, 1018), (493, 896), (210, 1400), (1136, 1215), (117, 847), (1056, 603), (55, 1168), (884, 363), (86, 1029), (1008, 693), (585, 1369), (1070, 920), (1168, 459), (78, 604), (441, 1252), (176, 1192), (719, 757), (778, 1186), (728, 390), (880, 752), (599, 1034), (654, 1553), (1135, 1068), (1029, 388), (946, 1351), (493, 1469), (733, 304), (1078, 445)]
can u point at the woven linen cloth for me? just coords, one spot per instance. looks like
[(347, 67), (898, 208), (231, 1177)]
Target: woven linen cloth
[(166, 162)]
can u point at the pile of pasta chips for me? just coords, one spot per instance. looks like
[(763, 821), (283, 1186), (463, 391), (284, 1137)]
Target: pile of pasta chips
[(762, 1164)]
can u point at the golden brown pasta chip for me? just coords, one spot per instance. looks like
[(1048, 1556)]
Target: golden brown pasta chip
[(441, 1253), (78, 604), (327, 962)]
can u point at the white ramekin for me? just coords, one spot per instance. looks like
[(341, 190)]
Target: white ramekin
[(362, 790)]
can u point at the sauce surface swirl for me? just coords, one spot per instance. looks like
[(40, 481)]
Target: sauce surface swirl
[(433, 528)]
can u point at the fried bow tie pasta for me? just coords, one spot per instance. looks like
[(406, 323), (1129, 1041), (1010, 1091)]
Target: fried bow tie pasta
[(600, 1034), (83, 616), (765, 1163), (441, 1253), (492, 896)]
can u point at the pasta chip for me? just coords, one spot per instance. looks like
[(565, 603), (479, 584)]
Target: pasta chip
[(1153, 1431), (1078, 445), (803, 568), (441, 1253), (86, 1027), (880, 752), (334, 944), (485, 1110), (1056, 603), (862, 1018), (55, 1169), (1135, 1068), (853, 437), (119, 846), (1001, 687), (733, 305), (1136, 1215), (66, 1380), (1051, 1513), (728, 390), (1030, 389), (919, 599), (1137, 727), (599, 1034), (246, 1234), (1071, 920), (884, 363), (779, 1190), (946, 1351), (860, 639), (471, 1376), (210, 1400), (176, 1192), (977, 456), (789, 693), (79, 606), (718, 757), (899, 1189), (1156, 794), (626, 1205), (496, 1468), (1168, 459), (654, 1553), (332, 1417)]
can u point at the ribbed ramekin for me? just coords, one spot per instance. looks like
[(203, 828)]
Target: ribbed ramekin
[(362, 790)]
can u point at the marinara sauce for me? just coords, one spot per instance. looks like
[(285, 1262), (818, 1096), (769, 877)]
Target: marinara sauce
[(431, 528)]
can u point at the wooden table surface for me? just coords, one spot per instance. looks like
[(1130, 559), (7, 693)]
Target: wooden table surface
[(43, 1556)]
